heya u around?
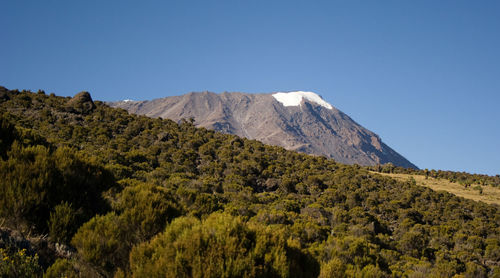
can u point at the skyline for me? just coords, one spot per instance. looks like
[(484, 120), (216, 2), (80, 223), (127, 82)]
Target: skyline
[(424, 76)]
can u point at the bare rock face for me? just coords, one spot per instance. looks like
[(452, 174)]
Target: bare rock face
[(300, 121)]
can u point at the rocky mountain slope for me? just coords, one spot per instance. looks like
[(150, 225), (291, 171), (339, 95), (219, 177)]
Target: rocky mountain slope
[(300, 121)]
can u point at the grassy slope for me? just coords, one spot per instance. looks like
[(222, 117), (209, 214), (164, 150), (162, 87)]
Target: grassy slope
[(489, 195)]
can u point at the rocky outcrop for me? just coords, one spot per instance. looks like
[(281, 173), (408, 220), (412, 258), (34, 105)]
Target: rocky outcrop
[(81, 103)]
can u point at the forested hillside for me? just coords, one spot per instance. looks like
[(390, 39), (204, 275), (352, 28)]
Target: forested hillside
[(121, 195)]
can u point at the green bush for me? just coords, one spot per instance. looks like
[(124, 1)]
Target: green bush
[(62, 224), (61, 268), (333, 268), (104, 242), (220, 246), (34, 180), (140, 212)]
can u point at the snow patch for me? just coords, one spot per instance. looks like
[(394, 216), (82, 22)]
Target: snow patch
[(295, 98), (128, 100)]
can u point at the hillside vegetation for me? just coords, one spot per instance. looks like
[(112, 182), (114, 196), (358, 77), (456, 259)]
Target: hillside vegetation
[(122, 195), (462, 178), (477, 192)]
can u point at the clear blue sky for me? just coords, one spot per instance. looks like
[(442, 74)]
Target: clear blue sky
[(424, 75)]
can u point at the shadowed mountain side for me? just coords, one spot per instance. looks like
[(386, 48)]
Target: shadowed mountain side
[(308, 127)]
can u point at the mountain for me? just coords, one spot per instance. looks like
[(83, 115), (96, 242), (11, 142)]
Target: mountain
[(300, 121), (87, 190)]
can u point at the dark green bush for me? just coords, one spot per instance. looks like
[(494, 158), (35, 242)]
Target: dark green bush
[(220, 246)]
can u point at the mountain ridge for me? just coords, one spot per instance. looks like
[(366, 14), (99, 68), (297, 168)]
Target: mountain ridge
[(129, 195), (300, 121)]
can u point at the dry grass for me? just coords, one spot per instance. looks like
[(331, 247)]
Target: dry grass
[(489, 195)]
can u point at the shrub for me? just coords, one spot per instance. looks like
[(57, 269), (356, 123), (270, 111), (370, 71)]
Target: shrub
[(62, 224), (18, 264), (61, 268), (220, 246)]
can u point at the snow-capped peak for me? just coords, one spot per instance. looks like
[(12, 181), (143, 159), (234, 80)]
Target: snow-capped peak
[(295, 98), (128, 100)]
